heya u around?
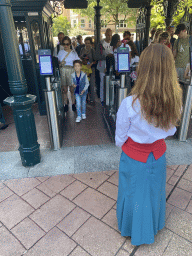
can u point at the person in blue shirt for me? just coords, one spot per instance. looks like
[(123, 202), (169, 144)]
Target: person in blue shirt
[(80, 82)]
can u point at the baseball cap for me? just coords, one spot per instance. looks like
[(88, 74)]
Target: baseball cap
[(179, 28)]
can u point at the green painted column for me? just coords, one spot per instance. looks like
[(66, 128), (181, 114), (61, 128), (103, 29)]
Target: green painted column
[(20, 102), (98, 22)]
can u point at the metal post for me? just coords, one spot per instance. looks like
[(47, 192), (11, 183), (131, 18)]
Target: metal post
[(98, 22), (52, 115), (148, 16), (21, 102), (186, 115)]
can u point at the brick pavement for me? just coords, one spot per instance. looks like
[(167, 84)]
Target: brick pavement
[(75, 215)]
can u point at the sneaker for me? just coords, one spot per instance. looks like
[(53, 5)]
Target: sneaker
[(65, 108), (78, 119), (73, 107), (83, 116)]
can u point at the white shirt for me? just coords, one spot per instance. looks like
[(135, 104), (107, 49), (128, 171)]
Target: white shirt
[(70, 58), (133, 60), (107, 47), (131, 124), (55, 50)]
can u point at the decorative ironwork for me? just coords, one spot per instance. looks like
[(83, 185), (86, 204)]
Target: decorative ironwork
[(163, 7), (140, 29), (57, 7)]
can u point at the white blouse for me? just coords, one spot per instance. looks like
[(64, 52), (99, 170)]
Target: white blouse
[(131, 124), (70, 58)]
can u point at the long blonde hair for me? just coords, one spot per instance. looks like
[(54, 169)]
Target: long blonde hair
[(157, 87)]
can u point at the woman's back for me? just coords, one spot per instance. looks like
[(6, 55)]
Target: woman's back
[(139, 129)]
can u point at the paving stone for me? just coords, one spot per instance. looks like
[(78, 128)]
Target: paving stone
[(27, 232), (169, 173), (128, 246), (73, 221), (109, 189), (1, 185), (189, 207), (162, 239), (59, 182), (52, 212), (173, 180), (35, 198), (180, 198), (73, 190), (180, 222), (185, 184), (5, 193), (79, 252), (98, 239), (22, 186), (180, 170), (92, 179), (9, 245), (188, 174), (123, 253), (94, 202), (54, 243), (111, 219), (45, 189), (13, 210), (178, 246), (173, 167), (109, 173), (168, 189), (169, 208), (42, 179), (114, 178)]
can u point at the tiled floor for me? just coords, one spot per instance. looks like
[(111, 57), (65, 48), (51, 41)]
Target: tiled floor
[(91, 131), (75, 215)]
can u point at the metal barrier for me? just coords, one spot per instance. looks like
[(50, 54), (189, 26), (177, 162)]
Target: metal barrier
[(187, 105), (115, 90), (53, 106)]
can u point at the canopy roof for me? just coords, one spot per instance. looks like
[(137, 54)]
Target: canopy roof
[(137, 3)]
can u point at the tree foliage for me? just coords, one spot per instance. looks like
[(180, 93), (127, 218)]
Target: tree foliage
[(61, 24), (157, 20), (77, 31), (111, 11)]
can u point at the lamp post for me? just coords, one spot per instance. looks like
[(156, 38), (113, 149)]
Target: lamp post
[(20, 102), (98, 22)]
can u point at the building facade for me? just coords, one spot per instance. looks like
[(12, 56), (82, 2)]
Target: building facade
[(87, 24)]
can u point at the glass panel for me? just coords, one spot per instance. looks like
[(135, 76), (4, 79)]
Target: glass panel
[(36, 38), (22, 36)]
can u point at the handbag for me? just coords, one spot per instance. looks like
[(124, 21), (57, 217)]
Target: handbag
[(62, 64)]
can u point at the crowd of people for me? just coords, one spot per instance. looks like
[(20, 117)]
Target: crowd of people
[(96, 60), (179, 47), (92, 59)]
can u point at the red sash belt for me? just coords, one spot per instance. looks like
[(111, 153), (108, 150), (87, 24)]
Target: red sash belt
[(140, 152)]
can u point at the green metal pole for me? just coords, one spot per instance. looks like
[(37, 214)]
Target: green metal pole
[(98, 22), (21, 102)]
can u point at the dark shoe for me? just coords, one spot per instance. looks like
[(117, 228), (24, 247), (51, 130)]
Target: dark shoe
[(73, 107), (65, 108)]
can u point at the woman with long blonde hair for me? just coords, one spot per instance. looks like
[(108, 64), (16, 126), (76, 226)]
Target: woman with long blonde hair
[(144, 119)]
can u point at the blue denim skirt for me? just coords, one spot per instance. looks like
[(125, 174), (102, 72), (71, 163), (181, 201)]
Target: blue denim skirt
[(141, 201)]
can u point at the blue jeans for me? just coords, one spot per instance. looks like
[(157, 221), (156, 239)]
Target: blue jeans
[(81, 103)]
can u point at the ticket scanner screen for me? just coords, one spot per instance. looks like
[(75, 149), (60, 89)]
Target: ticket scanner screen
[(45, 62), (123, 64)]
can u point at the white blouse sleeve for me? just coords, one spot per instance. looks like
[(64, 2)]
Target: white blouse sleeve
[(123, 124), (76, 57)]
